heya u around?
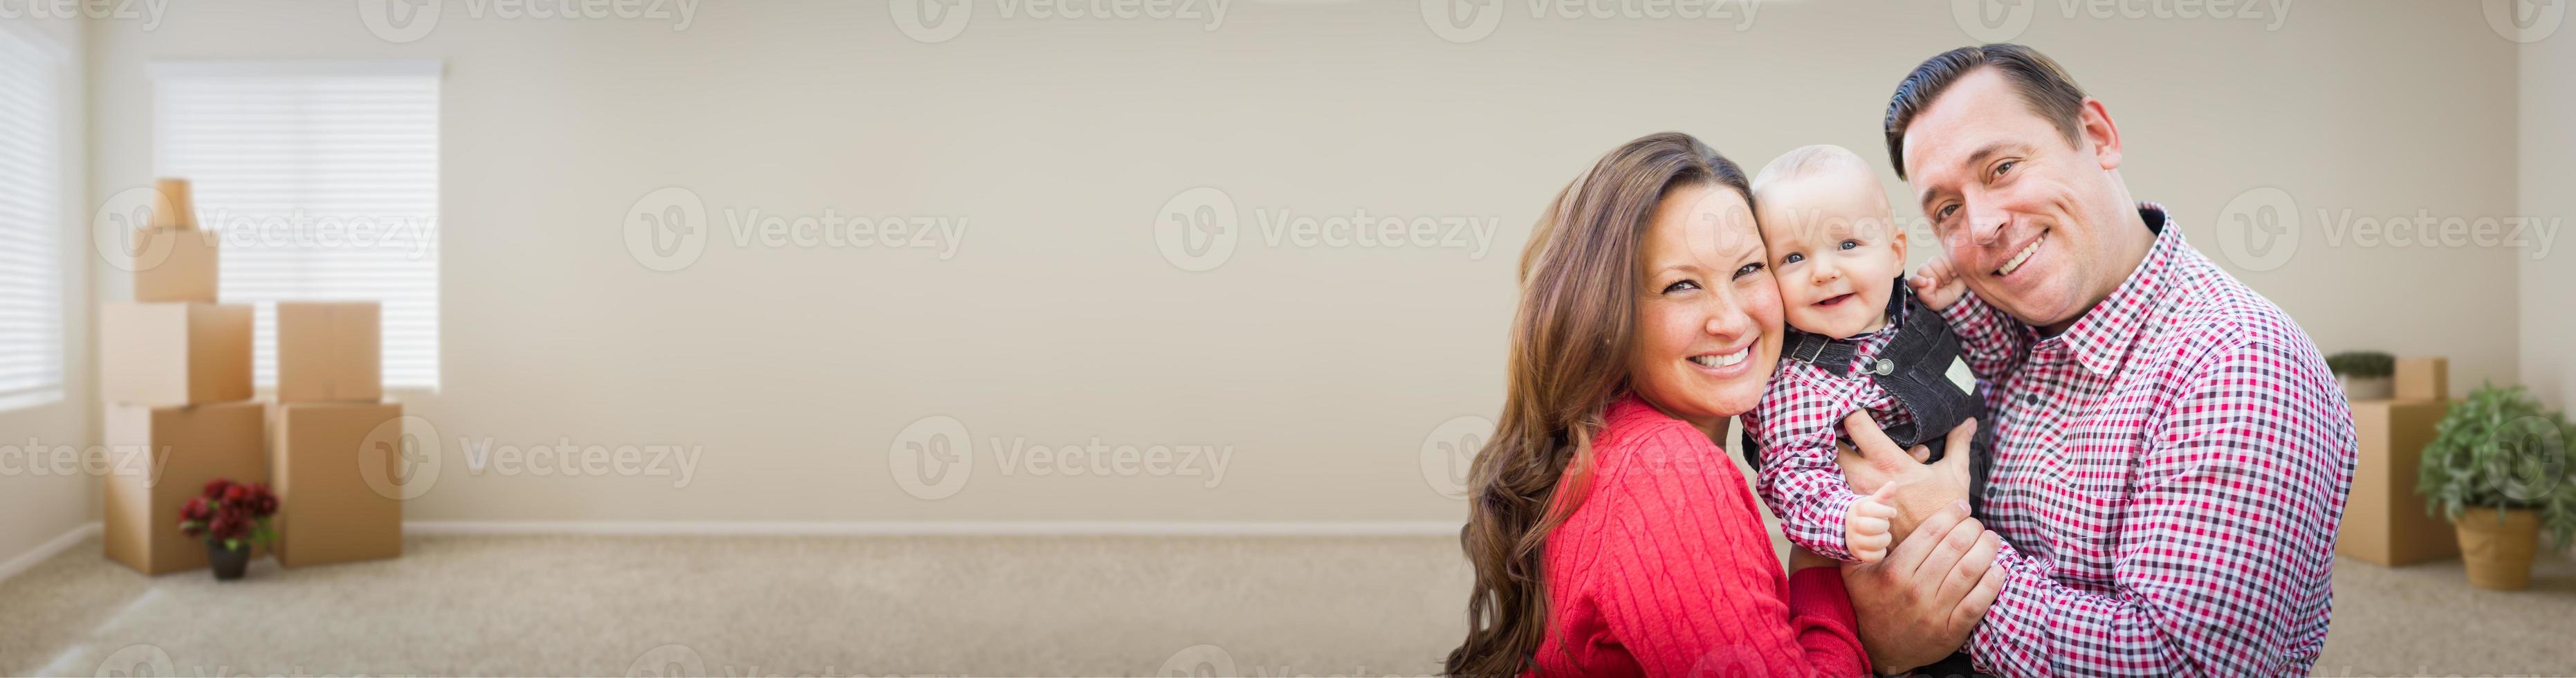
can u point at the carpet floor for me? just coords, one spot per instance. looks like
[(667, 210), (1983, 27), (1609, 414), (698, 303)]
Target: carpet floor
[(825, 606)]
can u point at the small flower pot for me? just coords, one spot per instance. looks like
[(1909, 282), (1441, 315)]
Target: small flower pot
[(2497, 546), (229, 563), (2367, 388)]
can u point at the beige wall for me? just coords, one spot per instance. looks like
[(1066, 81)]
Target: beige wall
[(38, 502), (1324, 369), (2548, 283)]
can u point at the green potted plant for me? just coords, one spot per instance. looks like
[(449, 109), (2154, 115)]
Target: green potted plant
[(2364, 375), (232, 517), (2498, 470)]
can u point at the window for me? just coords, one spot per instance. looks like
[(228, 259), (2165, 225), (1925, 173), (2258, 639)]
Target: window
[(322, 180), (31, 257)]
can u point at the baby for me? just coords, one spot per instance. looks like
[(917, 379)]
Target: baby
[(1859, 339)]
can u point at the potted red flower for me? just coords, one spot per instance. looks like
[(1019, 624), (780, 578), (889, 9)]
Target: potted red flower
[(232, 517)]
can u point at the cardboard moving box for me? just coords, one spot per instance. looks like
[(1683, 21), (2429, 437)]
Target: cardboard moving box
[(161, 355), (172, 260), (175, 265), (158, 457), (174, 203), (338, 471), (329, 352), (2384, 520), (2423, 379)]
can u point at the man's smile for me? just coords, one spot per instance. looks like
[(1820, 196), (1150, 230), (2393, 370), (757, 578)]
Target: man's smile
[(2023, 256)]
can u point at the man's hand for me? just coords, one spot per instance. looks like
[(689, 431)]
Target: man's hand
[(1920, 604), (1934, 284), (1900, 478)]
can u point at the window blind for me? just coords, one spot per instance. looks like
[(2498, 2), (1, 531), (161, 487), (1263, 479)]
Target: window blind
[(322, 180), (31, 258)]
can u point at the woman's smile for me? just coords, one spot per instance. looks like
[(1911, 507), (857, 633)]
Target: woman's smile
[(1725, 364)]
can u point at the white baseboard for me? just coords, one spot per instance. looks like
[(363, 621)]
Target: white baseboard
[(47, 550), (941, 528)]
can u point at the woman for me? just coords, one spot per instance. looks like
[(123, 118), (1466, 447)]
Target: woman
[(1610, 533)]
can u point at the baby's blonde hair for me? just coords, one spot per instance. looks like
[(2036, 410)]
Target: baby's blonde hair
[(1809, 161), (1815, 161)]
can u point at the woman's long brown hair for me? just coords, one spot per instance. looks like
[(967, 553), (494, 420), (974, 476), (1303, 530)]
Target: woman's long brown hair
[(1569, 355)]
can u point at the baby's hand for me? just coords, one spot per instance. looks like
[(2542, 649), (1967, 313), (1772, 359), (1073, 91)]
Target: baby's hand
[(1866, 529), (1934, 284)]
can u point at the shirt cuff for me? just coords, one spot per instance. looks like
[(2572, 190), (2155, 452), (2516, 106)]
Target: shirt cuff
[(1961, 311), (1827, 526)]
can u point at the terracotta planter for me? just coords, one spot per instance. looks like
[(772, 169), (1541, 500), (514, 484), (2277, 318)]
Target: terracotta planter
[(229, 563), (2366, 388), (2497, 546)]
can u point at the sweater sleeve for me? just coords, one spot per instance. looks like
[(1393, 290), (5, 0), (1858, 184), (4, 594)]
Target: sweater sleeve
[(1687, 579)]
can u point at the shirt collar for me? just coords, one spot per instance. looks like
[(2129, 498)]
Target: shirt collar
[(2101, 338), (1836, 355)]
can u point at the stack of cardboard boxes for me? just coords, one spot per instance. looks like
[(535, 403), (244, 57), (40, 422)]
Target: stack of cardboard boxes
[(2384, 520), (333, 427), (175, 372)]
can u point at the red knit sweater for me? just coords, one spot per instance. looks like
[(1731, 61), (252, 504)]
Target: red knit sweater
[(1666, 570)]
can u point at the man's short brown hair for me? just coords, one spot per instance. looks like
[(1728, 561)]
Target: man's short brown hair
[(2050, 92)]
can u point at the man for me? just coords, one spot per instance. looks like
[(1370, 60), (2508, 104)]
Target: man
[(2171, 454)]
